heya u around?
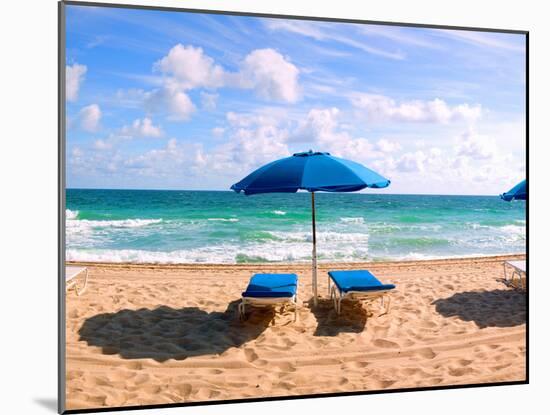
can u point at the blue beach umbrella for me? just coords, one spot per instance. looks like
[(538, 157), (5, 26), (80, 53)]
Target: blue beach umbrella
[(518, 192), (313, 172)]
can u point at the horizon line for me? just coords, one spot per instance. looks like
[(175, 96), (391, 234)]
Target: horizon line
[(232, 191)]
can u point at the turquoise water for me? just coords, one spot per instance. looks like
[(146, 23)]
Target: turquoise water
[(225, 227)]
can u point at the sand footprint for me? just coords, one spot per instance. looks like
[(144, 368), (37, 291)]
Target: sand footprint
[(460, 371), (250, 355), (426, 353), (355, 365), (141, 378), (385, 344), (465, 362), (383, 384), (285, 367)]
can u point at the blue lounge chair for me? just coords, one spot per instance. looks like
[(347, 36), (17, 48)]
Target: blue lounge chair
[(269, 290), (358, 285)]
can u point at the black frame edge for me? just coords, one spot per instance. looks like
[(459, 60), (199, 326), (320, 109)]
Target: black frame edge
[(527, 205), (61, 327), (290, 398), (292, 17)]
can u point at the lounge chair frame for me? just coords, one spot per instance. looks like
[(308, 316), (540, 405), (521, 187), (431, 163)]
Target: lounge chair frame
[(336, 295), (71, 283), (267, 302), (515, 271)]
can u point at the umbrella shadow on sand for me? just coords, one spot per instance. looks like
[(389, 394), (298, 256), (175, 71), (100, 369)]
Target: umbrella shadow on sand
[(352, 319), (166, 333), (496, 308)]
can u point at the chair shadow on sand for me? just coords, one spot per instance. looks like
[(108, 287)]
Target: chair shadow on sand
[(496, 308), (166, 333), (352, 319)]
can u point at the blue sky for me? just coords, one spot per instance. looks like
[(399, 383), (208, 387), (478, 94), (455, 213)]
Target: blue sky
[(167, 100)]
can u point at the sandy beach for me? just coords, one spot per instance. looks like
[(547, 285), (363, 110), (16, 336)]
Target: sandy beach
[(157, 334)]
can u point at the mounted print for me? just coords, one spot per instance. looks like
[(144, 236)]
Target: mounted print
[(271, 207)]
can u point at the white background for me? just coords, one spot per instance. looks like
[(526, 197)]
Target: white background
[(28, 203)]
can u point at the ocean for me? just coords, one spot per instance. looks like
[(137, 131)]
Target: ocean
[(157, 226)]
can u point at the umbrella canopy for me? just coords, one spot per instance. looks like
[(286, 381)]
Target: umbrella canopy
[(518, 192), (313, 172)]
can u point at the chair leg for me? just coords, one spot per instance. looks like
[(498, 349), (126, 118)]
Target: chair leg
[(81, 291), (241, 310), (388, 305)]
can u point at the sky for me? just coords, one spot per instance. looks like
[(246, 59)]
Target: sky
[(174, 100)]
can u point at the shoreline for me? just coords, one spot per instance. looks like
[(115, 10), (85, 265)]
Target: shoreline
[(304, 265)]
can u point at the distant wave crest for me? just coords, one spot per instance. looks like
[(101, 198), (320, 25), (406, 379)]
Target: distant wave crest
[(223, 219)]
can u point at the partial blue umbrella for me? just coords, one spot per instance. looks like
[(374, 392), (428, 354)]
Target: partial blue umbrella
[(518, 192), (313, 172)]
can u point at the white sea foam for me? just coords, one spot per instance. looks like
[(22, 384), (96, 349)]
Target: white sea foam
[(515, 229), (274, 251), (223, 219), (85, 232), (71, 214), (321, 236), (123, 223), (279, 212), (210, 255), (476, 226), (353, 220), (419, 256)]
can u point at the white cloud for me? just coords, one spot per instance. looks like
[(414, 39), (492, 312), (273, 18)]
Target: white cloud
[(142, 128), (387, 146), (88, 118), (321, 127), (383, 108), (250, 119), (209, 101), (489, 40), (265, 71), (97, 41), (412, 162), (191, 68), (330, 32), (139, 128), (174, 160), (169, 99), (475, 146), (102, 144), (474, 164), (408, 36), (218, 131), (252, 139), (74, 76), (303, 28), (271, 75)]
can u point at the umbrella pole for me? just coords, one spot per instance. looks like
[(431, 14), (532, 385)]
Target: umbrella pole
[(314, 252)]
